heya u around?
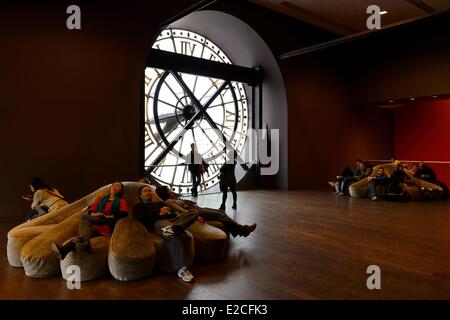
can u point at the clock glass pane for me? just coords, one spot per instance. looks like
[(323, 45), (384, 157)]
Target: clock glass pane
[(172, 99)]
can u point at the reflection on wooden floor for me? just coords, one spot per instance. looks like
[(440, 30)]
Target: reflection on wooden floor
[(308, 245)]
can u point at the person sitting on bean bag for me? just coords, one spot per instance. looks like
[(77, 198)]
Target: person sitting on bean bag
[(426, 173), (164, 221), (208, 214), (99, 221), (45, 198)]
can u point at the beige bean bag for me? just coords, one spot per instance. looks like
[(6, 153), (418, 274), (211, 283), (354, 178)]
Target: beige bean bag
[(211, 243), (17, 238), (25, 232), (38, 258), (132, 253), (360, 189), (93, 265), (163, 262)]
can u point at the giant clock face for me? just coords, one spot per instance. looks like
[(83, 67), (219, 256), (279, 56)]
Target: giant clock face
[(172, 101)]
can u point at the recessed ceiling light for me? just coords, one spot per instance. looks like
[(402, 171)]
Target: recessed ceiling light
[(435, 96), (391, 101), (412, 99), (383, 12)]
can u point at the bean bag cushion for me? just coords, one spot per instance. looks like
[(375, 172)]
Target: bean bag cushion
[(211, 243), (38, 258), (163, 262), (360, 189), (93, 265), (17, 238), (132, 253), (218, 225)]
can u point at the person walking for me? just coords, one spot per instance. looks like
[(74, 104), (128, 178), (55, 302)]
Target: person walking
[(228, 179), (196, 166)]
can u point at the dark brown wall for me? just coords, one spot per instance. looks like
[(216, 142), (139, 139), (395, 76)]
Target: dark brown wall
[(282, 33), (326, 131), (410, 61), (70, 99), (326, 128)]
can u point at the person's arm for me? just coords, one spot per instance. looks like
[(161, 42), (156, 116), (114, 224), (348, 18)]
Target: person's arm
[(138, 212), (172, 203), (379, 178), (38, 197), (144, 214), (28, 198), (94, 205), (123, 210)]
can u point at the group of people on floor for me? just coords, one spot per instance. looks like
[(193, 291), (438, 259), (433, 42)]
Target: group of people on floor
[(160, 211), (394, 186)]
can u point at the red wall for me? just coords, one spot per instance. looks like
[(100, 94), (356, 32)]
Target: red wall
[(422, 132)]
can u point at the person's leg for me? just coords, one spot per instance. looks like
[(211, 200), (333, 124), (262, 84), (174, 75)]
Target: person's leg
[(184, 220), (33, 213), (340, 187), (84, 230), (194, 183), (199, 180), (176, 251), (231, 225), (337, 186), (372, 189), (224, 198), (175, 248), (346, 183), (233, 191)]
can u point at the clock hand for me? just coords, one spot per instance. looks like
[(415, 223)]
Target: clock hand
[(165, 117), (170, 125)]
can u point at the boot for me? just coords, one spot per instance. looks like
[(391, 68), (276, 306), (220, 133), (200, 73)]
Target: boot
[(234, 206), (247, 229), (63, 250), (222, 207)]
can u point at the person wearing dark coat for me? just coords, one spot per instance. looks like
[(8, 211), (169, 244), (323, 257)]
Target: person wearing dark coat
[(99, 220), (196, 166), (204, 214), (379, 179), (157, 217), (228, 179), (426, 173), (350, 176)]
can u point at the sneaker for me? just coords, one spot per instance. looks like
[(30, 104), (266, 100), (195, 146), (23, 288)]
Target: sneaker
[(168, 232), (341, 194), (331, 183), (185, 275), (374, 198)]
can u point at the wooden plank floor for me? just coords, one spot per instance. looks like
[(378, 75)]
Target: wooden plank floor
[(308, 245)]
